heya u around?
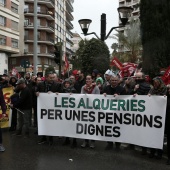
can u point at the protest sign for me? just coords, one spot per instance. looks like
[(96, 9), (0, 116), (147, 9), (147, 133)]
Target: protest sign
[(137, 120), (6, 121)]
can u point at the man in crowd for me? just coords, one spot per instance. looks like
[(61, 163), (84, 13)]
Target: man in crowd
[(114, 89), (48, 86), (107, 77), (80, 82), (24, 107), (141, 88)]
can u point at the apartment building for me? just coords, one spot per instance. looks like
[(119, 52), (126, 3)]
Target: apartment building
[(52, 19), (130, 3), (75, 39), (9, 32), (69, 27)]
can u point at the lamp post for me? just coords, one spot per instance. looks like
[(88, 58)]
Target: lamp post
[(124, 14)]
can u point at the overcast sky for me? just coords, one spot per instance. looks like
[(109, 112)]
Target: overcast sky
[(92, 9)]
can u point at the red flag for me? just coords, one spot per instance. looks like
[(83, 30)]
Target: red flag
[(127, 69), (166, 76), (14, 71), (66, 64), (117, 63)]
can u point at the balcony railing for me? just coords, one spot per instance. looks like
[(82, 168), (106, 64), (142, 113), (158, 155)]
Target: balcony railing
[(69, 15), (43, 12), (47, 2), (47, 39), (69, 25), (70, 5)]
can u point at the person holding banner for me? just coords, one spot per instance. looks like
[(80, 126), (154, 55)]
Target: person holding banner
[(141, 88), (159, 89), (167, 124), (48, 86), (3, 108), (114, 89), (89, 88), (68, 88)]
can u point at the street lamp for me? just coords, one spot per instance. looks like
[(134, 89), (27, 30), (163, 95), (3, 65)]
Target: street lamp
[(124, 14)]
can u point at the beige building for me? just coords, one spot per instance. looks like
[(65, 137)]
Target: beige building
[(130, 3), (75, 39), (54, 25), (9, 32)]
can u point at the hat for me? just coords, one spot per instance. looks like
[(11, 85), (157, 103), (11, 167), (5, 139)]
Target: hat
[(20, 81), (67, 80), (100, 80), (109, 72), (95, 71)]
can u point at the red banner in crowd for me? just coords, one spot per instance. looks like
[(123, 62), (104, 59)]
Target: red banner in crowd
[(127, 69), (66, 64), (166, 76), (117, 63)]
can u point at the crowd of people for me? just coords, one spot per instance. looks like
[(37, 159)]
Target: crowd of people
[(27, 89)]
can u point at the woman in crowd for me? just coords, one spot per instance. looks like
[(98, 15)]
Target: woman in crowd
[(89, 88), (158, 89)]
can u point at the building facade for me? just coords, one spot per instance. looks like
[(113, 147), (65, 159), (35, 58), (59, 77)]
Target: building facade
[(75, 39), (130, 3), (52, 27), (9, 32)]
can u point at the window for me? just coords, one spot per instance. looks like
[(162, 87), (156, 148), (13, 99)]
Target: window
[(14, 25), (14, 43), (2, 40), (26, 22), (13, 61), (38, 9), (2, 2), (38, 22), (38, 35), (38, 49), (2, 20), (14, 7)]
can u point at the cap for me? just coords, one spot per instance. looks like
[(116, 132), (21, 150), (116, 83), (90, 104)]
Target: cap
[(20, 81)]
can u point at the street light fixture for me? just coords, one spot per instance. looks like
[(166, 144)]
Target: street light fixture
[(124, 14)]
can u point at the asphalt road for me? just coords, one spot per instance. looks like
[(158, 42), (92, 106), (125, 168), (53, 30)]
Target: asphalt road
[(25, 154)]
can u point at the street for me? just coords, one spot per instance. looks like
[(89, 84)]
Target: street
[(25, 154)]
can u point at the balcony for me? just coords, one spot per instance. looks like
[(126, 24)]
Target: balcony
[(48, 28), (69, 25), (41, 13), (48, 3), (47, 54), (68, 40), (136, 1), (42, 40), (69, 6), (69, 16)]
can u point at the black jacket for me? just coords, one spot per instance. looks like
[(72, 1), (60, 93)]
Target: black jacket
[(25, 99), (45, 87), (114, 90)]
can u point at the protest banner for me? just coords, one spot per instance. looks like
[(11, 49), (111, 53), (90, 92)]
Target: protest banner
[(137, 120), (6, 121)]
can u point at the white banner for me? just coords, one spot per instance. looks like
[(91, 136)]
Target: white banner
[(137, 120)]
